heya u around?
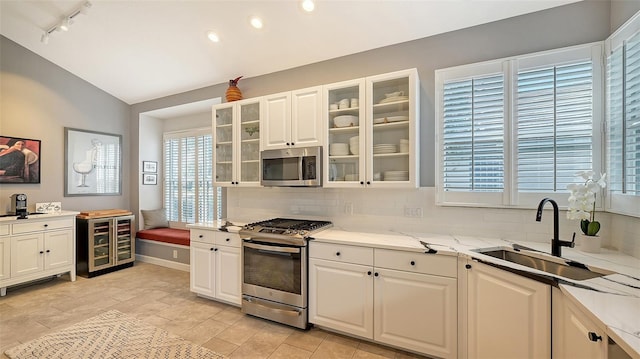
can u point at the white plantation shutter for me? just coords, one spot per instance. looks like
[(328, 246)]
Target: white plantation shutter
[(472, 140), (632, 116), (189, 194), (615, 137), (554, 126)]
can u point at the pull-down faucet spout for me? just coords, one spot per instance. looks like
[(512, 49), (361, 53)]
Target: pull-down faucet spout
[(556, 243)]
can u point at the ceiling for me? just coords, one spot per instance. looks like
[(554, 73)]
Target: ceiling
[(142, 50)]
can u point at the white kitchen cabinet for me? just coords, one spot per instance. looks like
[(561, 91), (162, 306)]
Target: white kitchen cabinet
[(386, 151), (292, 119), (36, 248), (236, 137), (574, 334), (385, 295), (215, 265), (507, 315)]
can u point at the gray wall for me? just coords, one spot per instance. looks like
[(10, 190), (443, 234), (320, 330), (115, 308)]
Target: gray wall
[(38, 100)]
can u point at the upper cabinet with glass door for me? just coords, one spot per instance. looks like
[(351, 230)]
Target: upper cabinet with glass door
[(344, 116), (237, 143), (392, 112)]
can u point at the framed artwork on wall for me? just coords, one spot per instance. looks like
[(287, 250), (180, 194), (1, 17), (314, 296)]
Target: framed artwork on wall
[(149, 166), (93, 163), (19, 160), (149, 178)]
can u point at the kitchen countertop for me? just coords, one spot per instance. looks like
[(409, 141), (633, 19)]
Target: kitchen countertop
[(14, 218), (613, 301)]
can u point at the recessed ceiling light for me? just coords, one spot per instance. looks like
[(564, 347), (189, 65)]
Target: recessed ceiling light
[(213, 36), (308, 5), (256, 22)]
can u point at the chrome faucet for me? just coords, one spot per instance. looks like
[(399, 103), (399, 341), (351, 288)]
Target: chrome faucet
[(556, 243)]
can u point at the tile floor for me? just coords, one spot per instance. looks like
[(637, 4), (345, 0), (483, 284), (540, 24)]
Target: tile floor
[(161, 297)]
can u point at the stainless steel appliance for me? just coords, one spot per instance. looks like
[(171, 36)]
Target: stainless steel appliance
[(19, 204), (275, 269), (292, 167), (104, 244)]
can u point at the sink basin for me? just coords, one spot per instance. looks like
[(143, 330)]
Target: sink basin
[(557, 266)]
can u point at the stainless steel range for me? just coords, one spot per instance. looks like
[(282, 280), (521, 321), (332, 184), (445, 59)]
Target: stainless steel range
[(275, 269)]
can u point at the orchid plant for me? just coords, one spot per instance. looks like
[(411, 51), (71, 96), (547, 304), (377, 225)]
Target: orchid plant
[(582, 201)]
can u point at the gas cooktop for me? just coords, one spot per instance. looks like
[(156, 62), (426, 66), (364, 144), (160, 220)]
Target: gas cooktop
[(288, 230)]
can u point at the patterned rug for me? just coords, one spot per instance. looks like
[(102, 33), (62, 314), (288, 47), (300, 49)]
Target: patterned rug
[(110, 335)]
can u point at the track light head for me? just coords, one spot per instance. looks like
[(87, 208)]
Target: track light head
[(65, 24)]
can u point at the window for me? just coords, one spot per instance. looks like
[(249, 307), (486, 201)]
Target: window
[(513, 130), (189, 194), (623, 118)]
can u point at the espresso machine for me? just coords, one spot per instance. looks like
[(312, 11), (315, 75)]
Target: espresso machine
[(19, 205)]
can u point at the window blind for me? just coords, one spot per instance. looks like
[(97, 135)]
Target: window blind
[(189, 194), (554, 126), (631, 133), (473, 134)]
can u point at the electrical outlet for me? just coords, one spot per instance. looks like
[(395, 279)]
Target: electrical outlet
[(415, 212), (175, 253), (348, 208)]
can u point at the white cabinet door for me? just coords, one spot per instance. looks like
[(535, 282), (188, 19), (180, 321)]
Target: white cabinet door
[(26, 254), (202, 267), (416, 312), (571, 332), (276, 124), (306, 124), (5, 258), (341, 296), (58, 249), (227, 274), (509, 316)]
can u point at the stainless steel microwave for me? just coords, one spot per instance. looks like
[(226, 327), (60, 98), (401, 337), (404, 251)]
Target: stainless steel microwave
[(292, 167)]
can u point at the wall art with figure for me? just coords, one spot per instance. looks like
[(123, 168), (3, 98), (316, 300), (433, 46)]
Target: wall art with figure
[(92, 163), (19, 160)]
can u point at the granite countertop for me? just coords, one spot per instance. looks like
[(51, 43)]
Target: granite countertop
[(613, 301), (14, 218)]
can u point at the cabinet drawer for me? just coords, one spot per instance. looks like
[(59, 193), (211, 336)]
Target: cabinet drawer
[(417, 262), (228, 239), (202, 235), (37, 226), (341, 253), (4, 229)]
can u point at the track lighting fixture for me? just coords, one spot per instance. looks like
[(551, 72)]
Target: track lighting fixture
[(66, 22)]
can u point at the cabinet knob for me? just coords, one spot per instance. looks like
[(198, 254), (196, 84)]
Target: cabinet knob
[(594, 337), (368, 182), (338, 254), (215, 250), (288, 144), (211, 249), (413, 263), (48, 251), (41, 252), (369, 273), (46, 225), (376, 274), (468, 266), (362, 182), (200, 236), (228, 239), (293, 144)]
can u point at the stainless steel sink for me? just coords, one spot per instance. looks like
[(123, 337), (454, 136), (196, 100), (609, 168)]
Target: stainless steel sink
[(554, 265)]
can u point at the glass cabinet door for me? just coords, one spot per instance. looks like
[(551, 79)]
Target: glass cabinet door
[(223, 140), (124, 239), (100, 248), (344, 103), (249, 139), (393, 130)]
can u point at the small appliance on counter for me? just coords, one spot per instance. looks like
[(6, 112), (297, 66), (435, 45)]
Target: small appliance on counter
[(19, 205)]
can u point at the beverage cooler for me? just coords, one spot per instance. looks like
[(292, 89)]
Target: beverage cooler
[(104, 244)]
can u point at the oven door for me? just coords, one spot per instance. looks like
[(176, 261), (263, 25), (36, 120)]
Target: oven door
[(275, 272)]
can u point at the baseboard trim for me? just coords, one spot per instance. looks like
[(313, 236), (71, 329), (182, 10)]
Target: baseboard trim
[(163, 262)]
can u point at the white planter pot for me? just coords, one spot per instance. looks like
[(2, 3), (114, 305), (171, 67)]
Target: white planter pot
[(589, 244)]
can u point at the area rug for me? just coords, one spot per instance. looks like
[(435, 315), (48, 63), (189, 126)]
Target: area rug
[(110, 335)]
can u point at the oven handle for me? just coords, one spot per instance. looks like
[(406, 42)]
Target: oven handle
[(292, 313), (271, 248)]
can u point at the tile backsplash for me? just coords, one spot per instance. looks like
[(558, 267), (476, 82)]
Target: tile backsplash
[(414, 210)]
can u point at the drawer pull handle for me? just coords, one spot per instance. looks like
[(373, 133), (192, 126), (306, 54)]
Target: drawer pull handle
[(46, 225), (594, 337), (468, 266), (41, 252), (338, 254), (48, 251), (376, 274), (211, 249), (200, 236), (413, 263), (369, 273), (215, 250), (228, 239)]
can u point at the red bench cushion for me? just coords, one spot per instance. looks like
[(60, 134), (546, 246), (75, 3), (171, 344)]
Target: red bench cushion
[(167, 235)]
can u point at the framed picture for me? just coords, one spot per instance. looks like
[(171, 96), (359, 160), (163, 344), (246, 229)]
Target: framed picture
[(149, 166), (19, 160), (92, 163), (149, 178)]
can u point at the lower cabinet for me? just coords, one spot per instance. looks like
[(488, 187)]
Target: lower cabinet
[(574, 334), (403, 299), (507, 315), (215, 265)]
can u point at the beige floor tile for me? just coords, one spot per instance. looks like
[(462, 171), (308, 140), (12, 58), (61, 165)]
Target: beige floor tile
[(382, 351), (204, 331), (308, 341), (286, 351), (333, 350), (220, 346)]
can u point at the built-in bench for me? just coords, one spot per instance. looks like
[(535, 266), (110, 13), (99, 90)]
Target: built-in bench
[(167, 247)]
